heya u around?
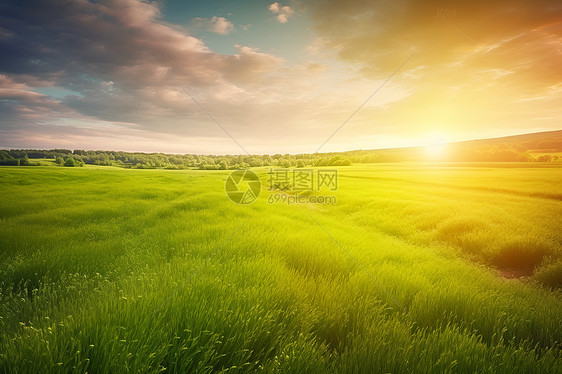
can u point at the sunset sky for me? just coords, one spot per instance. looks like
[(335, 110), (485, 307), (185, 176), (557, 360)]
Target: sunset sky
[(279, 77)]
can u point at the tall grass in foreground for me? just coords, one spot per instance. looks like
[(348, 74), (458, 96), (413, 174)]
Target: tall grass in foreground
[(111, 270)]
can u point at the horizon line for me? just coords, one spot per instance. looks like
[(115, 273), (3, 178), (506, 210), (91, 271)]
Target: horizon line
[(5, 148)]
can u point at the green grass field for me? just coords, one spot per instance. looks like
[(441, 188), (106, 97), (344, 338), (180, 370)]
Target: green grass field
[(417, 268)]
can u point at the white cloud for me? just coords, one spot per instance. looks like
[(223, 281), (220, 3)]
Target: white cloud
[(218, 25), (283, 12), (286, 10), (282, 18), (274, 8)]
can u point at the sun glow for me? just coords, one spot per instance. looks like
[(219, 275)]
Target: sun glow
[(436, 145)]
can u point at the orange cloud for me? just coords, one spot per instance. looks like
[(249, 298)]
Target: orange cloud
[(472, 64)]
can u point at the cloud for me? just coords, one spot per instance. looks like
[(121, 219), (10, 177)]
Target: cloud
[(249, 63), (123, 42), (18, 100), (316, 67), (122, 67), (283, 12), (471, 61), (217, 25), (274, 7), (440, 29)]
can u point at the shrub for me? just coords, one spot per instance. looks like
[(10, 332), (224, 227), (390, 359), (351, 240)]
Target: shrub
[(24, 161), (69, 162)]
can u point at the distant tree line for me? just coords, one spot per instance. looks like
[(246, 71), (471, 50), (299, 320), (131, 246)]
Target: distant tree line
[(22, 157), (66, 157), (496, 152)]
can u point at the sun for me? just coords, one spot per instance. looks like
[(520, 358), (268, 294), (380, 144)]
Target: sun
[(435, 145)]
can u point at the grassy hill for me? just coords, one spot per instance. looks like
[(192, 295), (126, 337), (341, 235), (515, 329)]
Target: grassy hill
[(540, 146)]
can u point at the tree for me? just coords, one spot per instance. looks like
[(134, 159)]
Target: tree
[(69, 162), (59, 161), (544, 158), (24, 161)]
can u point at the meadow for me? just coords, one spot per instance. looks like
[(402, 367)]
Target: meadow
[(418, 267)]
